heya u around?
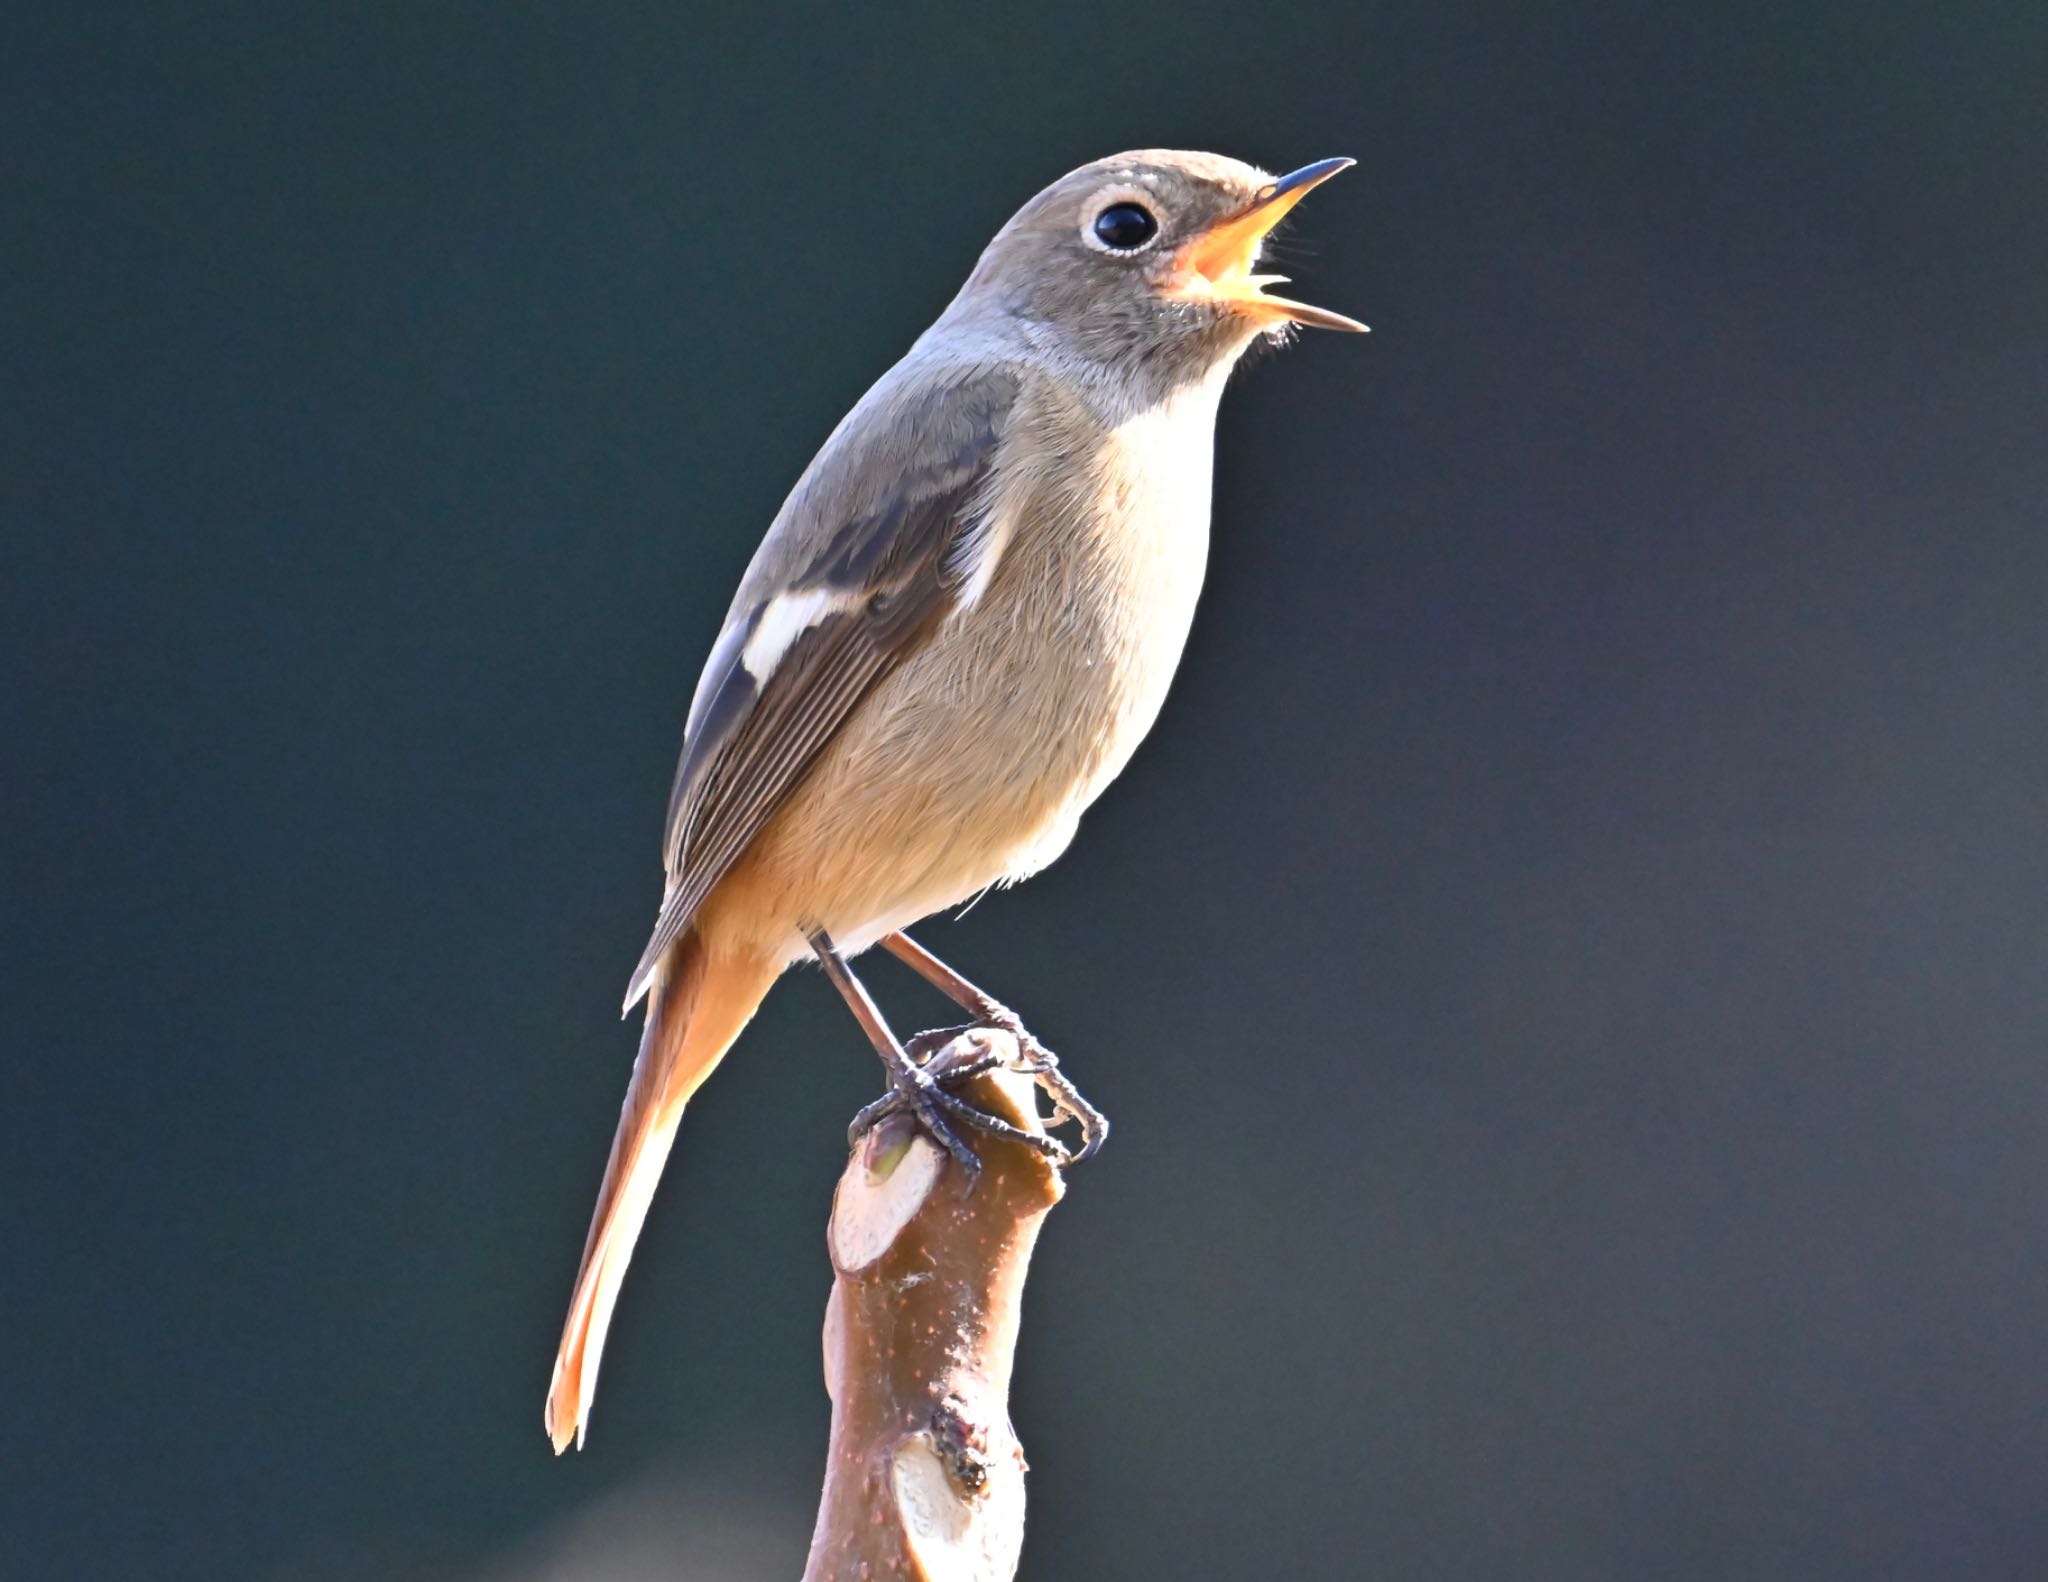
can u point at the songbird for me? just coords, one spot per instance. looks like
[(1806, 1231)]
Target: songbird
[(956, 632)]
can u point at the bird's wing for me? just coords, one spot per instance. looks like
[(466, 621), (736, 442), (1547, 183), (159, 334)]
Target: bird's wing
[(881, 541)]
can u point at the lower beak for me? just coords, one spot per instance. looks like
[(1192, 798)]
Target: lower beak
[(1216, 266)]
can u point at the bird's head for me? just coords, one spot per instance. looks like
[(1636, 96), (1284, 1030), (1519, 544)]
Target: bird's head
[(1149, 256)]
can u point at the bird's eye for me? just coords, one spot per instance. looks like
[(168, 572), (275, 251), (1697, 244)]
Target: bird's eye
[(1125, 227)]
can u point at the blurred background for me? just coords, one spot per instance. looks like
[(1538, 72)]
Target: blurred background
[(1568, 970)]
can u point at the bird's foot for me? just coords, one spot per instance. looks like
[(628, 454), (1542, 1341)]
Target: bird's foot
[(1033, 1058), (941, 1061), (1068, 1102)]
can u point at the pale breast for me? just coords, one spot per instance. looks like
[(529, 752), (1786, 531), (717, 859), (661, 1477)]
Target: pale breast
[(1107, 563)]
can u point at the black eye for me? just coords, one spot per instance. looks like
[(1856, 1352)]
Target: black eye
[(1125, 227)]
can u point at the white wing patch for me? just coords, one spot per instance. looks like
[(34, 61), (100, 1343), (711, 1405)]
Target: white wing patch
[(784, 619), (974, 555)]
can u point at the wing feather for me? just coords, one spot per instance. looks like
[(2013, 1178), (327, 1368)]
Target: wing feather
[(889, 575)]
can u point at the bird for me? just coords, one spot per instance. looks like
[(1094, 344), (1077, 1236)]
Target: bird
[(954, 635)]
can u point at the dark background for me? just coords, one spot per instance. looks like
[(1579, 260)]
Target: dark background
[(1568, 969)]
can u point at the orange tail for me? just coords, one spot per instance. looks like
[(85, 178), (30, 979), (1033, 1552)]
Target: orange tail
[(698, 1006)]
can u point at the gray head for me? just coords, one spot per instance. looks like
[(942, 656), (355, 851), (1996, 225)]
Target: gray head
[(1147, 258)]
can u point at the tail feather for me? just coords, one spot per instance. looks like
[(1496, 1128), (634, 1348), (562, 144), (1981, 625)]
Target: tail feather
[(696, 1009)]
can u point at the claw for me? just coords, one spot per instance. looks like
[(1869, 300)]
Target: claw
[(1033, 1058), (925, 1092), (1044, 1066)]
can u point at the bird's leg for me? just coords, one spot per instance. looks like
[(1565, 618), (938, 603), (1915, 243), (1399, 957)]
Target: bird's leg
[(918, 1086), (987, 1011)]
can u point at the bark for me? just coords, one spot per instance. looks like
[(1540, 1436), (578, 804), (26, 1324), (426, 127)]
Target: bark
[(925, 1478)]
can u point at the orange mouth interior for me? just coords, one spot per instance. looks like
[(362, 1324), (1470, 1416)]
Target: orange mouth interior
[(1216, 265)]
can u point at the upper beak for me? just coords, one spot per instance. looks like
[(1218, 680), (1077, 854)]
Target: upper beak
[(1216, 265)]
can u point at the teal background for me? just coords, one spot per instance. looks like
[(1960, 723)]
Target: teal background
[(1568, 969)]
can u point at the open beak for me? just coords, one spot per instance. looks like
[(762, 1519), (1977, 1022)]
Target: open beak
[(1216, 266)]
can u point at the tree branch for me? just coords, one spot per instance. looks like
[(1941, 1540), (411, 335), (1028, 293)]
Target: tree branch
[(925, 1478)]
